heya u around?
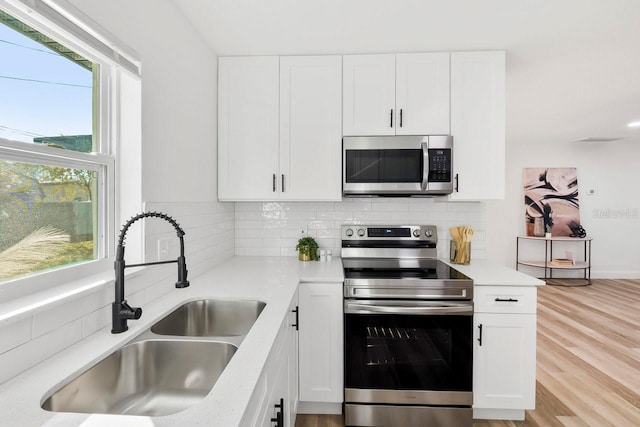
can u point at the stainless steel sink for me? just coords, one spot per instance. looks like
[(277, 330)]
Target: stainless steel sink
[(209, 318), (151, 378)]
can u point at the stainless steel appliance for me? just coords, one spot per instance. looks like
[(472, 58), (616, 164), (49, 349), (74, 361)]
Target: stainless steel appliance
[(408, 330), (397, 165)]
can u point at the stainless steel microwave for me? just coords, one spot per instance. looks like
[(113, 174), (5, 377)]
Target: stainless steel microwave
[(397, 165)]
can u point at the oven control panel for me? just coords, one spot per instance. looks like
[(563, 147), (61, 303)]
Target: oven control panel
[(391, 232)]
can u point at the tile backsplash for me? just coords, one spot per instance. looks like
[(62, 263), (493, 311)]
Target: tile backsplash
[(273, 228)]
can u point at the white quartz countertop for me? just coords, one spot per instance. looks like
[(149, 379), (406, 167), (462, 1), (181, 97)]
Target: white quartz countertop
[(273, 280), (487, 273)]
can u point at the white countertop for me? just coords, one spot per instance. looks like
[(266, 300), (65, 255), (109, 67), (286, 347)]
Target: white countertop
[(487, 273), (273, 280)]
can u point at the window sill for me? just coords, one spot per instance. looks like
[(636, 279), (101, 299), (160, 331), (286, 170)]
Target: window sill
[(25, 306)]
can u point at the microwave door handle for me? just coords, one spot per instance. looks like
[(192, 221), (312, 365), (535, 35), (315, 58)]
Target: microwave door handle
[(425, 165)]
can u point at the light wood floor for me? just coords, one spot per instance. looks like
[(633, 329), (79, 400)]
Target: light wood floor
[(588, 359)]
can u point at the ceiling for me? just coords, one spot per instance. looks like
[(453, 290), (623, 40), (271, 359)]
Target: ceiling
[(573, 66)]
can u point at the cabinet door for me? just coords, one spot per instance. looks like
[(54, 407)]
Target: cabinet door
[(310, 128), (247, 127), (422, 93), (321, 342), (292, 352), (504, 363), (369, 95), (478, 124)]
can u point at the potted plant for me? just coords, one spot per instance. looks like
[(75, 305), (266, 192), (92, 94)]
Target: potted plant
[(307, 248)]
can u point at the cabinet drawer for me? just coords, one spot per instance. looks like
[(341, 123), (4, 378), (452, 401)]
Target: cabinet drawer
[(505, 299)]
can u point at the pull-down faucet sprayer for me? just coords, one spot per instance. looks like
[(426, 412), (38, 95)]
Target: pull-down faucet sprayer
[(121, 311)]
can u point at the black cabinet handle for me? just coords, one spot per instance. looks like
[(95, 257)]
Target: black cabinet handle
[(506, 300), (401, 117), (283, 183), (296, 311), (480, 335), (274, 182), (456, 183), (391, 119), (279, 418)]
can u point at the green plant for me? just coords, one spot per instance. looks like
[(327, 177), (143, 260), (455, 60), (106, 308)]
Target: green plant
[(308, 246)]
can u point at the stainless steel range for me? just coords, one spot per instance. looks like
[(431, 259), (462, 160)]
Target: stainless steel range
[(408, 330)]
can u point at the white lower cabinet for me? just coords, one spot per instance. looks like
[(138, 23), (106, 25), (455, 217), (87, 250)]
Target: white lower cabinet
[(274, 402), (321, 348), (504, 360)]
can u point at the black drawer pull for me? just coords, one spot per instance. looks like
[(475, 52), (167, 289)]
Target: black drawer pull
[(480, 334), (296, 311), (279, 418), (506, 300)]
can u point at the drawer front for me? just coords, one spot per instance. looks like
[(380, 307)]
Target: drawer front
[(505, 299)]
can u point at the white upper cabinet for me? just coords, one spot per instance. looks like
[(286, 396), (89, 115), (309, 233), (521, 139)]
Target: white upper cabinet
[(310, 128), (478, 124), (248, 134), (279, 128), (422, 93), (369, 94), (403, 94)]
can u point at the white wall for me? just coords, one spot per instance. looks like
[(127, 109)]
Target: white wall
[(179, 126), (609, 168)]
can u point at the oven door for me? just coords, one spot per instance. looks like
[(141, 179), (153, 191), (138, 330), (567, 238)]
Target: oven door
[(408, 352)]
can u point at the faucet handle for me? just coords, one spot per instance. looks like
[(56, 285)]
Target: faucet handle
[(129, 312)]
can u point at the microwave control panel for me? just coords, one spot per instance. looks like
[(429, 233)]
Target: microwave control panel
[(439, 165)]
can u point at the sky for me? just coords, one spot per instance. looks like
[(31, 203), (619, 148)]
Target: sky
[(29, 109)]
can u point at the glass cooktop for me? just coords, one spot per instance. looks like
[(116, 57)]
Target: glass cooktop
[(425, 269)]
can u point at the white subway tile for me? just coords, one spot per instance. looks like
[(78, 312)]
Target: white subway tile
[(96, 320), (300, 215), (353, 206), (248, 206), (323, 221), (15, 334), (49, 320), (390, 207), (21, 358)]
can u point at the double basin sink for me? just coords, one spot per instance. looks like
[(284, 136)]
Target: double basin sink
[(166, 369)]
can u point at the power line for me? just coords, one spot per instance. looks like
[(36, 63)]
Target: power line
[(43, 81), (23, 132), (30, 48)]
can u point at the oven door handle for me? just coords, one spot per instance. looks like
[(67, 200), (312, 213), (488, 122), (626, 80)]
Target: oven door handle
[(360, 308)]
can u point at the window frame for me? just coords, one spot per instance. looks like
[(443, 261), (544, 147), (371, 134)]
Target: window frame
[(118, 80)]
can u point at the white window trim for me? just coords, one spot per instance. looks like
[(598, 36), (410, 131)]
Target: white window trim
[(119, 120)]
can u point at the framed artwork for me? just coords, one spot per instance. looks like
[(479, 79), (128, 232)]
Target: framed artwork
[(551, 201)]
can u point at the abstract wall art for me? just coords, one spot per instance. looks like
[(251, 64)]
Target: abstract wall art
[(551, 201)]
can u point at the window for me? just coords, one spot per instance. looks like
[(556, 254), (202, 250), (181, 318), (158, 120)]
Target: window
[(64, 92)]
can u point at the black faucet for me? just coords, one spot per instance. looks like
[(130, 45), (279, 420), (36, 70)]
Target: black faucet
[(121, 311)]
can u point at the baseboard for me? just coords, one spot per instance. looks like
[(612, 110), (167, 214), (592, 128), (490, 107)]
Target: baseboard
[(615, 274), (319, 408), (498, 414)]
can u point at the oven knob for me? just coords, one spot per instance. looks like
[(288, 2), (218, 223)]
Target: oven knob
[(428, 232), (416, 233), (360, 232), (349, 232)]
